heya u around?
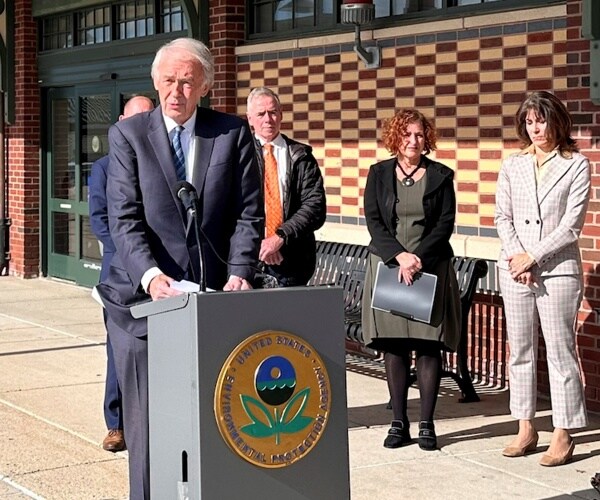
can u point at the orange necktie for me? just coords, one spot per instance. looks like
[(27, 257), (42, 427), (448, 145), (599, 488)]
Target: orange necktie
[(273, 212)]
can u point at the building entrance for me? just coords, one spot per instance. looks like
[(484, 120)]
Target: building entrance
[(77, 135)]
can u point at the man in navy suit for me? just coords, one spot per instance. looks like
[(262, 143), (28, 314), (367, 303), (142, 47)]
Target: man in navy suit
[(148, 222), (114, 440)]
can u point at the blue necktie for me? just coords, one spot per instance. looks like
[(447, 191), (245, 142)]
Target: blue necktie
[(178, 157)]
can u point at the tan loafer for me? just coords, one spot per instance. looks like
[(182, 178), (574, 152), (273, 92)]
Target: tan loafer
[(520, 451)]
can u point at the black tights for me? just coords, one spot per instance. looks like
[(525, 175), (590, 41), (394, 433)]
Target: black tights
[(429, 370)]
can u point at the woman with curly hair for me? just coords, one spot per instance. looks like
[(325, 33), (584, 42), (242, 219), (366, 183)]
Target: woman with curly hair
[(410, 210)]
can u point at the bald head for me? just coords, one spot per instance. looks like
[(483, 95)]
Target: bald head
[(135, 105)]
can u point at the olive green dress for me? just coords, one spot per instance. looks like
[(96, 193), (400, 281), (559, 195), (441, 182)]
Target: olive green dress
[(382, 329)]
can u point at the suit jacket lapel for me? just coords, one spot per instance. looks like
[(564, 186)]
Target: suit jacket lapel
[(556, 169), (161, 145), (205, 142), (527, 171)]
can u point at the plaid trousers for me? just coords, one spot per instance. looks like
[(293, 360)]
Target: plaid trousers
[(553, 304)]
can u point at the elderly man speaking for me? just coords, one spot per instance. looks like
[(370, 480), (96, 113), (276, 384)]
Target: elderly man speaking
[(149, 154)]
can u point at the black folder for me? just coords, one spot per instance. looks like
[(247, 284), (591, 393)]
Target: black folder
[(414, 302)]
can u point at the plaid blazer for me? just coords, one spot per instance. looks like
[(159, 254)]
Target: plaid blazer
[(546, 219)]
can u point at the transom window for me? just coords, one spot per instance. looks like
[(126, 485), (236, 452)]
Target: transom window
[(135, 19), (57, 32), (93, 26), (118, 20)]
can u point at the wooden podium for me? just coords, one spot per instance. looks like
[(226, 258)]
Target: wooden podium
[(247, 395)]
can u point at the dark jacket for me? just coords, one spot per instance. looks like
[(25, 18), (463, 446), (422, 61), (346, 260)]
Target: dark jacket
[(439, 206), (304, 211), (99, 212)]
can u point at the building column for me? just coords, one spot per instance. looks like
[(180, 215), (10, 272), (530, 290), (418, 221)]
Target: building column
[(23, 150), (227, 31)]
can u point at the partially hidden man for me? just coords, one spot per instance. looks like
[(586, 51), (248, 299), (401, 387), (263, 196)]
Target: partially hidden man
[(113, 413), (149, 154), (294, 195)]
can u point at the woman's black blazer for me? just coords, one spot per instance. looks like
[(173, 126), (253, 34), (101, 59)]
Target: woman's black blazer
[(439, 206)]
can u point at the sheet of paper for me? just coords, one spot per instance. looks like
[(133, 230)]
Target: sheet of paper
[(96, 296), (185, 286)]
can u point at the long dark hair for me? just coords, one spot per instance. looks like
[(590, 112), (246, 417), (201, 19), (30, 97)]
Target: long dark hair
[(558, 120)]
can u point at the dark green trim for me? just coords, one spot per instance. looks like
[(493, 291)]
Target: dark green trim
[(120, 60), (192, 18), (47, 7)]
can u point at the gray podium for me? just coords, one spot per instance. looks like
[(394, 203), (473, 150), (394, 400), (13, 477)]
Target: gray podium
[(191, 339)]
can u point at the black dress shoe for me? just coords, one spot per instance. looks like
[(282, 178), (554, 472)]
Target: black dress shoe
[(427, 437), (398, 435), (596, 481)]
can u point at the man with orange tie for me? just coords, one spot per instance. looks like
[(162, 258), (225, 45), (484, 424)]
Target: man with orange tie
[(295, 204)]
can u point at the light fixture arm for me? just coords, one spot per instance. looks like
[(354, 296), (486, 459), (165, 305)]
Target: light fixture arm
[(371, 56)]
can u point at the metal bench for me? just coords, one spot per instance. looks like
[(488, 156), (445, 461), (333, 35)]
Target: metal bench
[(345, 264)]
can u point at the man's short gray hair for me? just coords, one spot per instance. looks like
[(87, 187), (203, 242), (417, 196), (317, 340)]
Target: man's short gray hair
[(196, 49), (262, 91)]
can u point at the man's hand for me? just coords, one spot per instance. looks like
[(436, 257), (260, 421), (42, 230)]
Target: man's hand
[(269, 250), (236, 283), (160, 287), (519, 263)]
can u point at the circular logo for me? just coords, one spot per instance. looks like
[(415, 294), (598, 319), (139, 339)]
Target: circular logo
[(273, 399)]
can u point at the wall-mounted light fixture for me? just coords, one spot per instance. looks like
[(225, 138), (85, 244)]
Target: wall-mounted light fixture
[(359, 12)]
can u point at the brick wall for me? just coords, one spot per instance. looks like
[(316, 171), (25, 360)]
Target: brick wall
[(23, 145), (470, 80), (227, 30)]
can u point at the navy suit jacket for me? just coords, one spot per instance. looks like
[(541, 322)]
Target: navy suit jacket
[(99, 212), (148, 221)]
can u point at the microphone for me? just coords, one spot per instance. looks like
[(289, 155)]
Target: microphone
[(187, 194), (189, 198)]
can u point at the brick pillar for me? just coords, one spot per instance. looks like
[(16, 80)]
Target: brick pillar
[(23, 150), (227, 30), (586, 117)]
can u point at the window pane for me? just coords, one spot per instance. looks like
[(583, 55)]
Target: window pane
[(56, 33), (135, 18), (263, 17), (90, 246), (173, 18), (63, 234), (93, 26), (95, 120), (63, 148)]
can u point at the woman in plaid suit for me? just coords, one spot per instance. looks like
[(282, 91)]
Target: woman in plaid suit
[(541, 202)]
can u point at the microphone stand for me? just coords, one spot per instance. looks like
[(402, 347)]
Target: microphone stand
[(193, 214)]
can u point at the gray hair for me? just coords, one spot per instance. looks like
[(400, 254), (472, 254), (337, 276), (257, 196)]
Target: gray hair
[(196, 49), (262, 91)]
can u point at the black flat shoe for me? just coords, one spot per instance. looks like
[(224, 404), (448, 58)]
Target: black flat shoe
[(596, 481), (398, 435), (427, 437)]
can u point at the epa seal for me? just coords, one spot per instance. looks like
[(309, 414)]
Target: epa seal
[(273, 399)]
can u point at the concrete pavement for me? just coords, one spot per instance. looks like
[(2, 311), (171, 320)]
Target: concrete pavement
[(52, 364)]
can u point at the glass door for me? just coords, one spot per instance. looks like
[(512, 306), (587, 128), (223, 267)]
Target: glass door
[(78, 123)]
